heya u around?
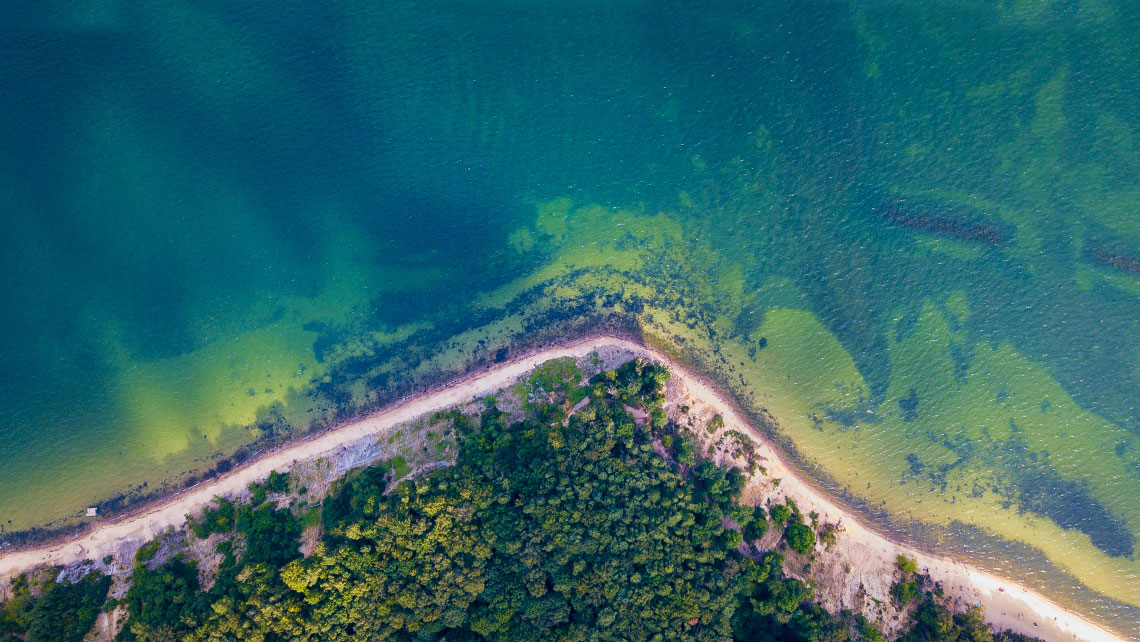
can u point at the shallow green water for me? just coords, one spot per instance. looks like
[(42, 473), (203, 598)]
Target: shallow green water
[(909, 230)]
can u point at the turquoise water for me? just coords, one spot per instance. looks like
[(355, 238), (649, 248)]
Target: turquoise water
[(911, 231)]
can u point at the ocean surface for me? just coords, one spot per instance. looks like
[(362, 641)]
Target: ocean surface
[(909, 232)]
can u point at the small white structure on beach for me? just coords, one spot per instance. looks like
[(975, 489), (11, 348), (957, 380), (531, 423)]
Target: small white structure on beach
[(92, 510)]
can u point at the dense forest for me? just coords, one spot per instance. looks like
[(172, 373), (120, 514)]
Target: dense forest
[(590, 525)]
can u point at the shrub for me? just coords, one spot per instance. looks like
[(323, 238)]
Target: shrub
[(147, 551), (905, 592), (214, 520), (907, 564)]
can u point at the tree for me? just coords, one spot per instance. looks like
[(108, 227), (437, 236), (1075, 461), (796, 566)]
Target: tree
[(800, 538), (65, 611), (520, 539), (163, 603), (272, 535), (757, 526), (780, 514)]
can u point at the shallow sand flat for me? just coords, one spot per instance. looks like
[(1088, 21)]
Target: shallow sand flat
[(1007, 605)]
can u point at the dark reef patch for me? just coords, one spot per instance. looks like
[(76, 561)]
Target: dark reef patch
[(327, 339), (915, 464), (909, 406), (1117, 260), (942, 220), (1036, 487), (1068, 503), (1027, 481)]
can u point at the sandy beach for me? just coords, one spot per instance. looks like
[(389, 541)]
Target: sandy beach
[(1007, 604)]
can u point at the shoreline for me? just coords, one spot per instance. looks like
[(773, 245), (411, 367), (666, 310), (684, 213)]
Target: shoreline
[(1004, 600)]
